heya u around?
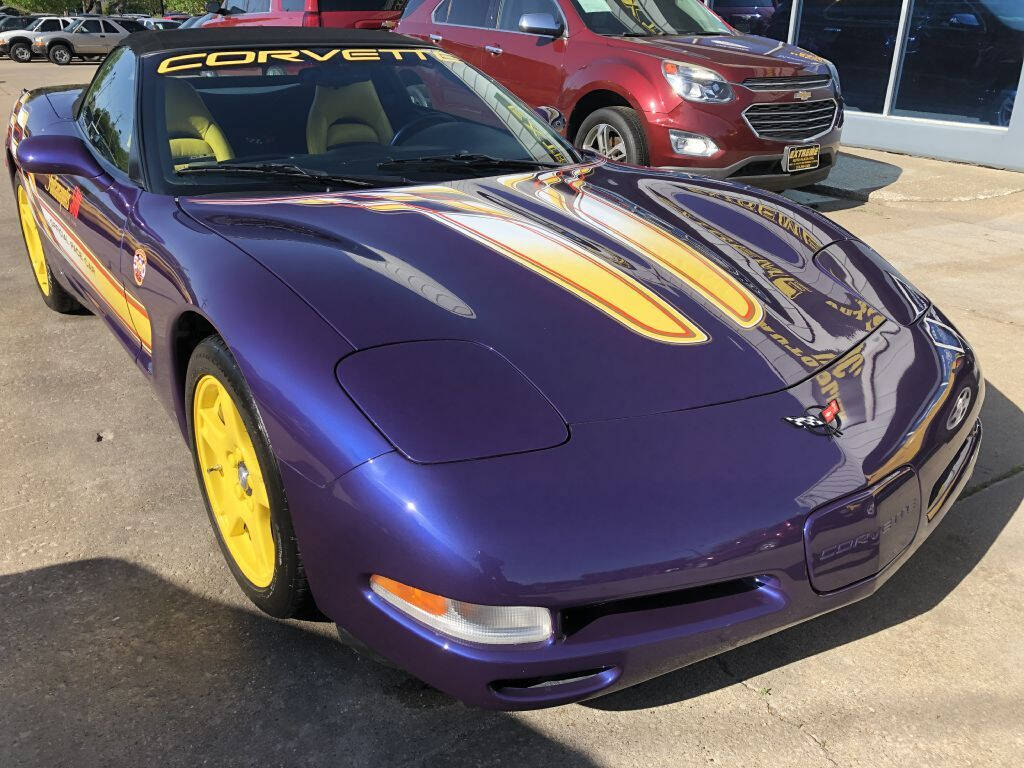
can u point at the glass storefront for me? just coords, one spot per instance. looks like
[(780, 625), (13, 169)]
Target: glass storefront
[(931, 62), (962, 60)]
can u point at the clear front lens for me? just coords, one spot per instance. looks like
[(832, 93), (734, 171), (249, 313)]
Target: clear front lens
[(696, 83), (692, 144), (491, 624)]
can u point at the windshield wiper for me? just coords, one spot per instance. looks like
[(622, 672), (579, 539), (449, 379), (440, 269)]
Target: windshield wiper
[(290, 171), (465, 160)]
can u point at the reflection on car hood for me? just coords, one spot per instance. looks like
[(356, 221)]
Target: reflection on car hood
[(736, 57), (618, 291)]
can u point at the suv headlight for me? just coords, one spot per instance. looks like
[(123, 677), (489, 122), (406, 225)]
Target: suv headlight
[(491, 624), (835, 76), (696, 83)]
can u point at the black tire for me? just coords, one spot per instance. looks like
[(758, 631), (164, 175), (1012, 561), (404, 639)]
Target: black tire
[(56, 297), (60, 54), (287, 595), (622, 121), (21, 53)]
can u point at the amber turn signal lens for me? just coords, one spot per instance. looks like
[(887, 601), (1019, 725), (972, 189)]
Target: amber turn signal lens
[(433, 604), (491, 624)]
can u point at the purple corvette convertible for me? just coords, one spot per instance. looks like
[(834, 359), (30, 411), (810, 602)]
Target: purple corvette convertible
[(532, 425)]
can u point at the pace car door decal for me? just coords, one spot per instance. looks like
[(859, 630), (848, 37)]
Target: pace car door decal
[(124, 308)]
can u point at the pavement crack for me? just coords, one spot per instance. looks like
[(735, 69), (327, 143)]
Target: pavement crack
[(776, 714)]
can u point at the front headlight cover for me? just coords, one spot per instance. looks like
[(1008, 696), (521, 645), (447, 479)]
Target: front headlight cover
[(446, 400), (857, 266), (695, 83), (487, 624), (835, 77)]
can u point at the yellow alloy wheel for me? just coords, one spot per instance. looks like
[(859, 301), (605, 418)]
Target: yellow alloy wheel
[(233, 480), (32, 242)]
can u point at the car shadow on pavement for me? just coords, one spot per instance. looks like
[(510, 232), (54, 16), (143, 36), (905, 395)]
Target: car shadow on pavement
[(934, 571), (855, 177), (103, 662)]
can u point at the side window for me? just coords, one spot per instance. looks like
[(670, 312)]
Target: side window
[(90, 25), (107, 115), (50, 25), (293, 5), (131, 26), (259, 6), (238, 6), (109, 28), (464, 13), (513, 10)]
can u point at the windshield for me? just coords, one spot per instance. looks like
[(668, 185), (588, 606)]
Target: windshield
[(649, 18), (384, 116)]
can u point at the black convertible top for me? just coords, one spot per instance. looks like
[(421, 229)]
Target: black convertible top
[(152, 41)]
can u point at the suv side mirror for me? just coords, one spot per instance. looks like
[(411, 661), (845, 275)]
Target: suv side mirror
[(964, 21), (542, 24), (552, 117), (64, 155), (213, 6)]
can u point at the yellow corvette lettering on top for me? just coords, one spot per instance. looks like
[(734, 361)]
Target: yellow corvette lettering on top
[(240, 58)]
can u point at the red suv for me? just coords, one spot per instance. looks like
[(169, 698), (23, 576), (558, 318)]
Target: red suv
[(364, 14), (653, 82)]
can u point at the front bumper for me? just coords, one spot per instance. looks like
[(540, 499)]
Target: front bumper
[(651, 555), (743, 155)]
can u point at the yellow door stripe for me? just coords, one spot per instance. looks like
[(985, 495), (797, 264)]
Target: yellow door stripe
[(106, 284)]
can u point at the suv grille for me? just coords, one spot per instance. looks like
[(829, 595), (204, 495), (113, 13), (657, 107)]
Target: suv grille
[(783, 122), (786, 83)]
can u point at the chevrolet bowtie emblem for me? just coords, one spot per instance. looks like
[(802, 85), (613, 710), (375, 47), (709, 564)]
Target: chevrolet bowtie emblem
[(802, 95)]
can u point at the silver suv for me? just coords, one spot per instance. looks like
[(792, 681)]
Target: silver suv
[(17, 43), (88, 39)]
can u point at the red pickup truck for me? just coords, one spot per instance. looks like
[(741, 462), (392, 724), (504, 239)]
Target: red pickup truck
[(365, 14), (653, 82)]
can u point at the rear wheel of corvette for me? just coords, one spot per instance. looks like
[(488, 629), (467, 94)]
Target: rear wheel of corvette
[(53, 293), (242, 486), (60, 54), (21, 53), (615, 133)]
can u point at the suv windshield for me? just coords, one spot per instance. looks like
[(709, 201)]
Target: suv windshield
[(334, 116), (649, 18)]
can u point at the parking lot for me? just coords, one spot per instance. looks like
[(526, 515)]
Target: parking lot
[(124, 641)]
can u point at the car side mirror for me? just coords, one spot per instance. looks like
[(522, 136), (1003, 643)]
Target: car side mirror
[(64, 155), (213, 6), (552, 117), (542, 24), (964, 20)]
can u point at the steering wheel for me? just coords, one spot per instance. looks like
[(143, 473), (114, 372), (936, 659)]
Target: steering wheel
[(419, 124)]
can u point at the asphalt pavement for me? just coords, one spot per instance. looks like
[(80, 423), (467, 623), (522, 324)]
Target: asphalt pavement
[(125, 642)]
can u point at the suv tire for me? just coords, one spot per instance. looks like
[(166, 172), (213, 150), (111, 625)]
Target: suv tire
[(616, 133), (60, 54), (21, 53)]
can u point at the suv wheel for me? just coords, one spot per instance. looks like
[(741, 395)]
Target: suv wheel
[(21, 53), (60, 54), (615, 133)]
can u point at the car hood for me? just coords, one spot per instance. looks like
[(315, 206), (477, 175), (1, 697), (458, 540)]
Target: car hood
[(617, 291), (736, 57)]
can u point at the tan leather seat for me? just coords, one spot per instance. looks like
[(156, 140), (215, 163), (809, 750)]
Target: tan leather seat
[(191, 129), (346, 114)]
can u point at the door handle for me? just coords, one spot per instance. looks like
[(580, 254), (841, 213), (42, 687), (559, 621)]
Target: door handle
[(493, 50), (435, 38)]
